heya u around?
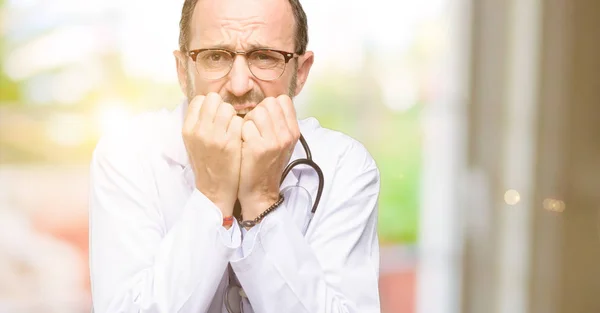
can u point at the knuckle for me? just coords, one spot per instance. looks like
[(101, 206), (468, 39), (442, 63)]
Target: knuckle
[(285, 138), (267, 101), (197, 100), (198, 133), (288, 141), (189, 136), (260, 108), (261, 150), (273, 102), (274, 146), (223, 111), (237, 120), (221, 142), (237, 123), (213, 143), (229, 110), (213, 95), (284, 99), (279, 147), (246, 125), (213, 98), (259, 111), (270, 101)]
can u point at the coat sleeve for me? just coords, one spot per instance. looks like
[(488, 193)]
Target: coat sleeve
[(136, 265), (336, 267)]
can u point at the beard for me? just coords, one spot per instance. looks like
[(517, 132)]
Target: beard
[(253, 96)]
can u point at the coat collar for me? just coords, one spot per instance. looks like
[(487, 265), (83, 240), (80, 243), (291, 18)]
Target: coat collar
[(174, 148)]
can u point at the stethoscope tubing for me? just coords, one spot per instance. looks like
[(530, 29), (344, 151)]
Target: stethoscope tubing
[(308, 161)]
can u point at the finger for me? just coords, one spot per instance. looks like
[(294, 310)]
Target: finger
[(209, 109), (250, 131), (260, 116), (282, 132), (289, 111), (234, 131), (223, 117), (192, 114)]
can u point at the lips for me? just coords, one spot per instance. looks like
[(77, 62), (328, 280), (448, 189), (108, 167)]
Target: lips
[(243, 108)]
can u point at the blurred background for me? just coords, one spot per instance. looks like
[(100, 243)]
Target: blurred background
[(483, 116)]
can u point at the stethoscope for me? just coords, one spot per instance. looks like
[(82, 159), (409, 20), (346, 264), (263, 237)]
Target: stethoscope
[(236, 307)]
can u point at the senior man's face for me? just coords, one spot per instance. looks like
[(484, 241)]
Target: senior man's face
[(242, 26)]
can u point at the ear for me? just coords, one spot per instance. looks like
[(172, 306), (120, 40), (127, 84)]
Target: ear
[(182, 73), (305, 62)]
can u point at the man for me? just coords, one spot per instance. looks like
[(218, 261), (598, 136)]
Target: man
[(164, 191)]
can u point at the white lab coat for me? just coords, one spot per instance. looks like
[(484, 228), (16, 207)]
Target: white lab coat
[(157, 244)]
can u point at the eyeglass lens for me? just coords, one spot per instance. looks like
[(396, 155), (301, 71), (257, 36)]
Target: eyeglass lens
[(264, 64)]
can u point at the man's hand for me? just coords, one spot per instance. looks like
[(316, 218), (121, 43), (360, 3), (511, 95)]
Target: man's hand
[(269, 133), (212, 137)]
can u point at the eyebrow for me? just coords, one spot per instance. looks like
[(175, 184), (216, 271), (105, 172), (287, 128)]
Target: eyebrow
[(251, 46)]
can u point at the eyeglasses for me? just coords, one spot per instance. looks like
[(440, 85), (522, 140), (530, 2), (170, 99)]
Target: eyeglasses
[(264, 64)]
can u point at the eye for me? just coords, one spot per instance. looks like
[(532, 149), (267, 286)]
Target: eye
[(214, 60), (215, 57), (266, 59), (262, 56)]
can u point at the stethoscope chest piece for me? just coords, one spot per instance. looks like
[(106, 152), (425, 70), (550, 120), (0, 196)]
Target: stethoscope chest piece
[(233, 298)]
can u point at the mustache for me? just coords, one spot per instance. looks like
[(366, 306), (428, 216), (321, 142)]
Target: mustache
[(253, 96)]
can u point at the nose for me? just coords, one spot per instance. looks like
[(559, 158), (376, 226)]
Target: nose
[(240, 77)]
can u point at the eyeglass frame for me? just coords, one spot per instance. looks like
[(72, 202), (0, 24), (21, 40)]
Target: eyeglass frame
[(287, 56)]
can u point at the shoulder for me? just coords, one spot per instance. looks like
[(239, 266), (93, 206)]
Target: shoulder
[(135, 141), (337, 148), (351, 176)]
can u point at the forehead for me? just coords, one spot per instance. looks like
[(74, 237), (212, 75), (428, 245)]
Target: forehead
[(239, 23)]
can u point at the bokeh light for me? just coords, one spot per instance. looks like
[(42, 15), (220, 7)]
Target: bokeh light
[(512, 197), (554, 205)]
